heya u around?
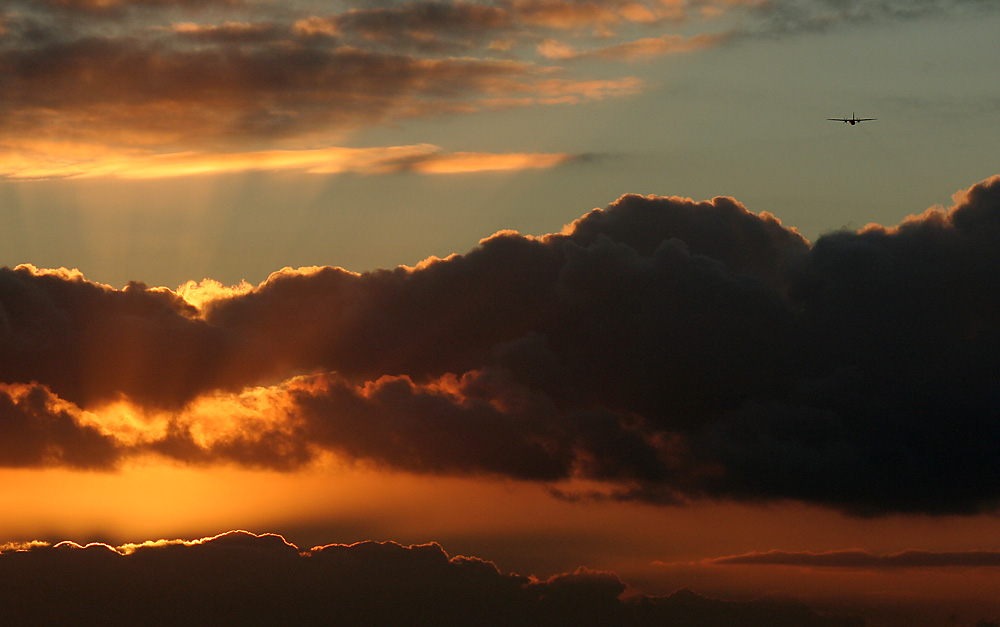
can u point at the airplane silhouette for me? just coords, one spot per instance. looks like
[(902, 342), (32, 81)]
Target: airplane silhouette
[(854, 119)]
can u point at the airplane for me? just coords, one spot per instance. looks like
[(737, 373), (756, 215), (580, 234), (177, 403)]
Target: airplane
[(854, 119)]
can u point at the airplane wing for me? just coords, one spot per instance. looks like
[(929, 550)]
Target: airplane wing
[(838, 119)]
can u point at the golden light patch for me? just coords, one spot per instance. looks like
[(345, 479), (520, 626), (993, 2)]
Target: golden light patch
[(8, 547), (465, 162), (223, 417), (125, 422), (422, 158), (313, 26), (68, 274), (652, 47), (208, 290), (636, 12), (554, 49)]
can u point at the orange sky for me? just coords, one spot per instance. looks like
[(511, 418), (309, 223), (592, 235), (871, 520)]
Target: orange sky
[(335, 271), (521, 528)]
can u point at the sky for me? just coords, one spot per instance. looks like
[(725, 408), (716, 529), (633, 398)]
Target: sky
[(540, 311)]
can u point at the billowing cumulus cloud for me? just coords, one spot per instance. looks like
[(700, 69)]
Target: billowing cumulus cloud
[(35, 431), (87, 341), (250, 579), (662, 348)]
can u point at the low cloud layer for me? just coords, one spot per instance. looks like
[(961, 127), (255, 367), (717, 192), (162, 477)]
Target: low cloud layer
[(249, 579), (666, 349)]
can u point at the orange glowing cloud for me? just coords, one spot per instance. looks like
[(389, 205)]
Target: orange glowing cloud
[(185, 97), (227, 31), (555, 49), (658, 46), (198, 293), (557, 91), (640, 49), (460, 162), (564, 15), (423, 158)]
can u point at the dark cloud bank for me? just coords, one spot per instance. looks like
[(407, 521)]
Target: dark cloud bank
[(136, 74), (243, 579), (673, 349)]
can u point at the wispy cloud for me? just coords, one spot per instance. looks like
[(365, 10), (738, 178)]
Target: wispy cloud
[(857, 558), (158, 91), (639, 49), (423, 158), (169, 77), (784, 17)]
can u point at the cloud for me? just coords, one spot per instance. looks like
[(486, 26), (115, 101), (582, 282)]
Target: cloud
[(423, 26), (563, 15), (87, 341), (422, 158), (37, 430), (105, 7), (229, 32), (262, 579), (796, 16), (200, 96), (667, 349), (165, 85), (462, 162), (856, 558), (95, 83), (559, 91), (639, 49), (658, 46), (155, 97)]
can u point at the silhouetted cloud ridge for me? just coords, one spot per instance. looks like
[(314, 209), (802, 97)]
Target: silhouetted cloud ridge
[(670, 348), (248, 579)]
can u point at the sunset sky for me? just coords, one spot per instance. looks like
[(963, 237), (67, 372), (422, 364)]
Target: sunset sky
[(550, 283)]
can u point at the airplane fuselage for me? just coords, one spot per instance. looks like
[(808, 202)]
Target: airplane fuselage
[(854, 119)]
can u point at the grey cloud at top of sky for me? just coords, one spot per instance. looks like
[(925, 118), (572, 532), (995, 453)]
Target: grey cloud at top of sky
[(254, 72), (141, 95), (796, 16), (672, 349), (169, 76)]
